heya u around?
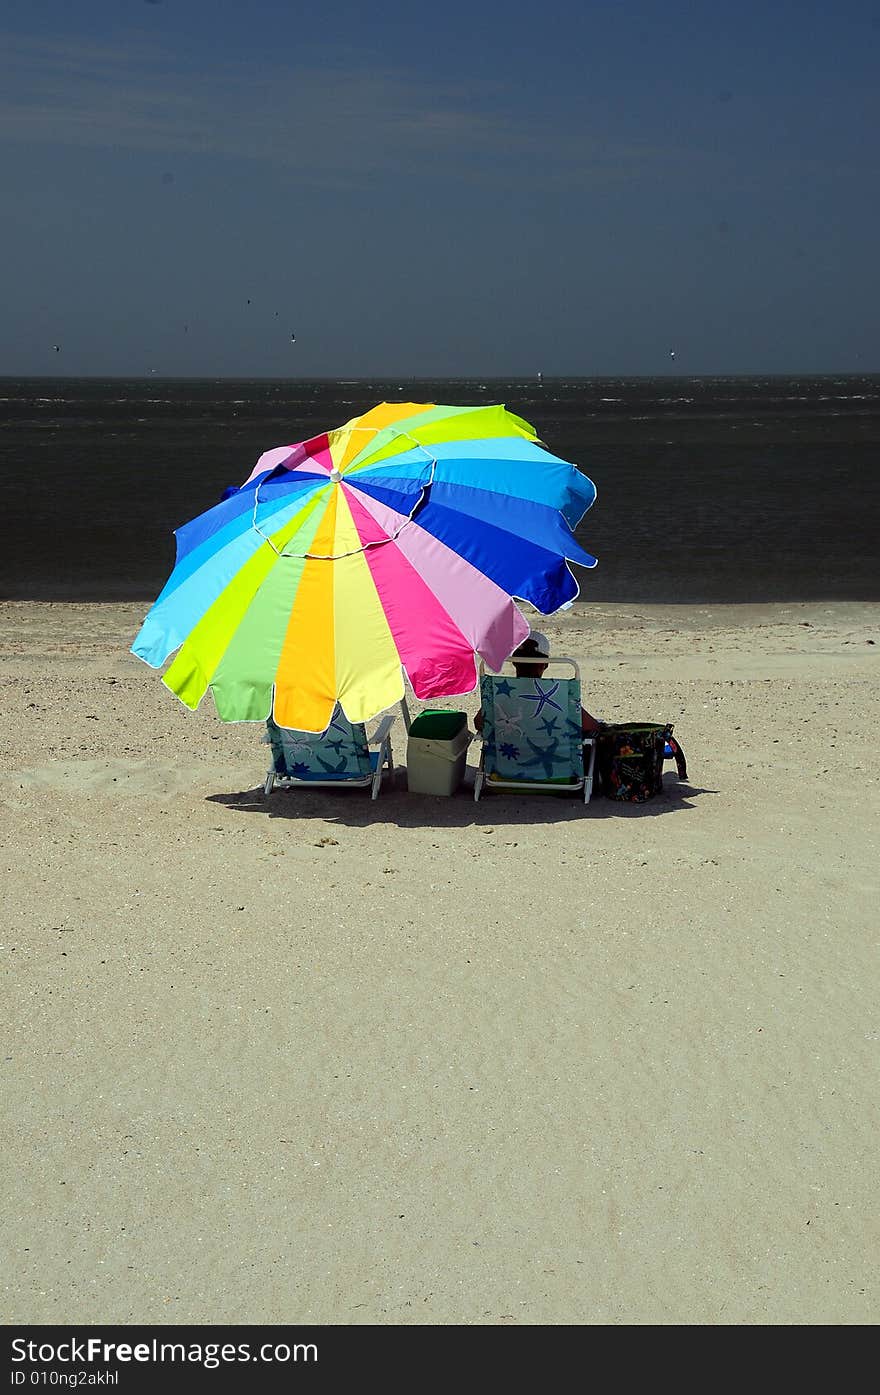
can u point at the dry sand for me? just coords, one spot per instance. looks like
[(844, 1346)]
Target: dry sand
[(317, 1060)]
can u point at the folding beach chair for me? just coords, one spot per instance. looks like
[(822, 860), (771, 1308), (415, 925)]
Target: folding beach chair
[(341, 755), (532, 737)]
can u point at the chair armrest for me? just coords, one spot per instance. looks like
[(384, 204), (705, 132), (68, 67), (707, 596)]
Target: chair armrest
[(383, 730)]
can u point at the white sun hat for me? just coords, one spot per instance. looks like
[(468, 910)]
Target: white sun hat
[(541, 643)]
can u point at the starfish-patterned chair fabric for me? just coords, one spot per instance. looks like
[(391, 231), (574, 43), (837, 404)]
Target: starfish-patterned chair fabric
[(339, 755), (532, 737)]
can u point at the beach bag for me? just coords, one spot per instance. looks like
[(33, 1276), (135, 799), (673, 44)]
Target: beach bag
[(630, 756)]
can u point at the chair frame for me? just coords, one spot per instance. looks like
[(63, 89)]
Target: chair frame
[(584, 782), (380, 741)]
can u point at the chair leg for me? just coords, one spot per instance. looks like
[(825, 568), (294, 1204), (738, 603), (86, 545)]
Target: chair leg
[(588, 774), (384, 754), (270, 781)]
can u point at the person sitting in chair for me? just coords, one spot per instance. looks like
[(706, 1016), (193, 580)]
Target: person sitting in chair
[(537, 646)]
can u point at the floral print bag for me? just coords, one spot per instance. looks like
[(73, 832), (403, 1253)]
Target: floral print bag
[(630, 756)]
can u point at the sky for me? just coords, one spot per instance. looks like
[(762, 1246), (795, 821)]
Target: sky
[(461, 189)]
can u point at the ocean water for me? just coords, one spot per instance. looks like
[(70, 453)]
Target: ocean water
[(710, 490)]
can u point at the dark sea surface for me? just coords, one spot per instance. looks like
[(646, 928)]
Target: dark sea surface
[(710, 490)]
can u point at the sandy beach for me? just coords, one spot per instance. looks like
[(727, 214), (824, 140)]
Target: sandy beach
[(425, 1061)]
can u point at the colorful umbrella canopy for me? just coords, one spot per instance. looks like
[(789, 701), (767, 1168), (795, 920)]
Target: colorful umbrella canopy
[(394, 543)]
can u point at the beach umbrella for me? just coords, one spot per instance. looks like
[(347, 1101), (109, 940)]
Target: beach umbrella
[(393, 544)]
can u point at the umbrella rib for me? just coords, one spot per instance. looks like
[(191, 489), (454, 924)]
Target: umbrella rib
[(336, 477)]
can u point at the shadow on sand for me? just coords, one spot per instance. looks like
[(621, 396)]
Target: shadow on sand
[(355, 809)]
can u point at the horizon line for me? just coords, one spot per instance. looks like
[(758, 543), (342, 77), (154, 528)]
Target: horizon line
[(528, 378)]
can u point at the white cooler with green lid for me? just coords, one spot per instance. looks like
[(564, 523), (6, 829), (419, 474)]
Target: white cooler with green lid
[(437, 752)]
